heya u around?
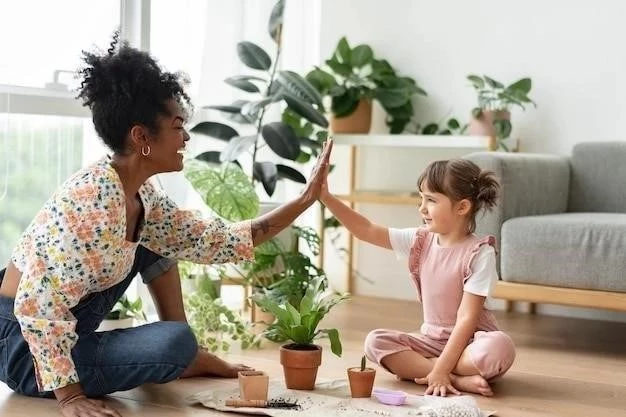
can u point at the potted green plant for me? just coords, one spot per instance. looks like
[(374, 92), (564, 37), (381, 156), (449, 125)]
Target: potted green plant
[(361, 380), (299, 325), (353, 77), (123, 314), (492, 116), (228, 188)]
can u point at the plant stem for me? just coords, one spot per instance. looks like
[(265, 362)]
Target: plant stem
[(267, 92)]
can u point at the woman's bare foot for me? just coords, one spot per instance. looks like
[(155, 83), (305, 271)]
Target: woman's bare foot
[(475, 384), (207, 364)]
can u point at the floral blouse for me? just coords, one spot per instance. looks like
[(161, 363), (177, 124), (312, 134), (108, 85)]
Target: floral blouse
[(76, 245)]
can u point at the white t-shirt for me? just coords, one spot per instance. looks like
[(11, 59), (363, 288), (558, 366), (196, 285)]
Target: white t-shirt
[(484, 274)]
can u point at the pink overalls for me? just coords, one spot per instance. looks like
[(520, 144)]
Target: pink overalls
[(439, 275)]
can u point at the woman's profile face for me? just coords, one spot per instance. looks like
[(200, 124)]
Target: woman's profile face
[(168, 144)]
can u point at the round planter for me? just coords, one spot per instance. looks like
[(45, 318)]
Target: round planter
[(483, 125), (359, 121), (361, 382), (300, 364)]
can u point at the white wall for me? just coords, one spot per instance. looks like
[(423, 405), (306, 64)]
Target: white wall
[(573, 51)]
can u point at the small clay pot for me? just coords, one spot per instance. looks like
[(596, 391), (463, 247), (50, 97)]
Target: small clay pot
[(253, 385), (361, 382), (359, 121)]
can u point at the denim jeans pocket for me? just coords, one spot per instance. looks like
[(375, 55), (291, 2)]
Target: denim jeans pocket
[(4, 364)]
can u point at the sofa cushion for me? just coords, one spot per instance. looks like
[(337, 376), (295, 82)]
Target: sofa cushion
[(575, 250), (598, 177)]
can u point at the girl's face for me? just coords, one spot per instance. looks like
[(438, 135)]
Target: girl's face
[(440, 214)]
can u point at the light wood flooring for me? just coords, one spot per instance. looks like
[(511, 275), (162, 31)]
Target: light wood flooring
[(564, 367)]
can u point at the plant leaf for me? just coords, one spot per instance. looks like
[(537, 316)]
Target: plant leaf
[(253, 56), (430, 129), (211, 157), (227, 191), (521, 86), (215, 130), (294, 84), (281, 139), (339, 67), (493, 83), (236, 146), (453, 124), (321, 80), (392, 97), (477, 81), (275, 23), (286, 172), (344, 105), (242, 84), (305, 110), (225, 109), (361, 56), (266, 172), (335, 343), (343, 50)]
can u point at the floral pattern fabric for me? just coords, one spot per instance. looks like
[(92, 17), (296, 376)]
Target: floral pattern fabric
[(76, 245)]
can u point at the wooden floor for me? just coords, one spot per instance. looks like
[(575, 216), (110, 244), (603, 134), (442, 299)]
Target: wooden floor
[(564, 367)]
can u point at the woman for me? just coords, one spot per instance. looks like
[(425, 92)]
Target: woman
[(103, 226)]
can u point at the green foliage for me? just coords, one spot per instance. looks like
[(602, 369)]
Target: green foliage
[(215, 325), (354, 73), (363, 362), (446, 127), (496, 97), (126, 309), (298, 323), (278, 87)]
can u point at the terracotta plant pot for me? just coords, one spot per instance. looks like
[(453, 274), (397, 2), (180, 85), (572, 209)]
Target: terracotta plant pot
[(253, 385), (483, 125), (300, 363), (361, 382), (359, 121)]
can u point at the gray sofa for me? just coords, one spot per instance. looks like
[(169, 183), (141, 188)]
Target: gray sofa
[(560, 225)]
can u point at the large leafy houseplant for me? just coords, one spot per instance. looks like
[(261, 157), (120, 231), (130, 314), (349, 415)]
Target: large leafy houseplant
[(352, 74), (218, 176), (494, 104)]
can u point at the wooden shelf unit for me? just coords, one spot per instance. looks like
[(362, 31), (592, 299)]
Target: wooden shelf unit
[(356, 196)]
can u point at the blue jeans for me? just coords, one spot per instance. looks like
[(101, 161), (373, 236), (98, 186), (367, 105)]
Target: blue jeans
[(106, 362)]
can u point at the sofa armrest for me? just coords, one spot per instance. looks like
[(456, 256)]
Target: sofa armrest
[(531, 184)]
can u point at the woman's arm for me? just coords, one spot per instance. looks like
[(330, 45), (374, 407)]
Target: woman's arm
[(358, 225)]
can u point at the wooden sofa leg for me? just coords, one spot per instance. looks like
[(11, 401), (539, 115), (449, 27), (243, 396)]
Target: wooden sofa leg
[(532, 308), (508, 306)]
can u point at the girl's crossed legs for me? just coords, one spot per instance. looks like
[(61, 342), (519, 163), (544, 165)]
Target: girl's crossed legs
[(489, 355)]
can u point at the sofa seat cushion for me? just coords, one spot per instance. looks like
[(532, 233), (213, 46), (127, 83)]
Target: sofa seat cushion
[(574, 250)]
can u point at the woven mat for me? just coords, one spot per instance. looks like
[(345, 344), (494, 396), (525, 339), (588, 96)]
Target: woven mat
[(332, 399)]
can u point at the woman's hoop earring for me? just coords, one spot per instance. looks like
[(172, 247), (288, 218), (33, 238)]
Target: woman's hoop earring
[(145, 152)]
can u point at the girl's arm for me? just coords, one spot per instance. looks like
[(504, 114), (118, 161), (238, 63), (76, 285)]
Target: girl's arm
[(466, 321), (358, 225)]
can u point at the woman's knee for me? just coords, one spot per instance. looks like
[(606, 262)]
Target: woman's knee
[(493, 353), (178, 344), (380, 342)]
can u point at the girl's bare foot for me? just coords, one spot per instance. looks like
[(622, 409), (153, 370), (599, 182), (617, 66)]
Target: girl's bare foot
[(475, 384)]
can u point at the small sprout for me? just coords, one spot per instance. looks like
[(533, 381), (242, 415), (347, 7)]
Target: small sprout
[(363, 363)]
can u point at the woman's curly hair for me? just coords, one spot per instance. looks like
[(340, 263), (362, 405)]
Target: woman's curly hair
[(124, 87)]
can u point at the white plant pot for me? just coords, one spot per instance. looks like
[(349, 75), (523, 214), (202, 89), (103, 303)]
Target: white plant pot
[(107, 325)]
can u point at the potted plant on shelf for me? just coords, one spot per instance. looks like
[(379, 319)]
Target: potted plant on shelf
[(353, 77), (492, 116), (298, 324), (123, 314), (361, 380)]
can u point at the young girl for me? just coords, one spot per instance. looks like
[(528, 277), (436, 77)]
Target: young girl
[(460, 347)]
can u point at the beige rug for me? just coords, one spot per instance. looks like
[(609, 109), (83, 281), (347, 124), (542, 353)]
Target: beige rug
[(332, 399)]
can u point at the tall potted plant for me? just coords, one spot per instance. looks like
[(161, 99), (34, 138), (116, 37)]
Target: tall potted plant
[(299, 324), (225, 186), (492, 116), (353, 77)]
